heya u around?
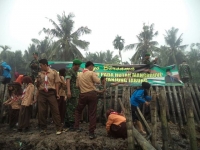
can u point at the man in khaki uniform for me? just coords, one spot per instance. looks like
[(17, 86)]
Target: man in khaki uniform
[(88, 96), (48, 90)]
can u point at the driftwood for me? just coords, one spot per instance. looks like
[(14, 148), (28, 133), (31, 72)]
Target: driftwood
[(164, 124), (190, 117)]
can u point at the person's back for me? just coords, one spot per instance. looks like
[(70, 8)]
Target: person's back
[(184, 72), (6, 73)]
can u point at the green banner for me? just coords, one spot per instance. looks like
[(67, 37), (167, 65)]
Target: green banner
[(133, 75)]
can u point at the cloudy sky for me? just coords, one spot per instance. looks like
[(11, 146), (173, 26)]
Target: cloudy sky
[(21, 20)]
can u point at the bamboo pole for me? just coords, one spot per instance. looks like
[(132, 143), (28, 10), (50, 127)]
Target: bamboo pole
[(111, 98), (164, 124), (167, 105), (129, 122), (116, 97), (195, 100), (104, 103), (153, 119), (190, 117), (177, 105), (182, 105), (172, 105), (3, 100), (144, 144), (194, 109)]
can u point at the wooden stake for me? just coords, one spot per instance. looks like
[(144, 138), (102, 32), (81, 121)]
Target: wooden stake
[(116, 97), (177, 105), (190, 118), (154, 119), (167, 106), (182, 105), (172, 105), (164, 124), (197, 92)]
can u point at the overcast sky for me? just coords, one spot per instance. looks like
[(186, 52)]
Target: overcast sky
[(21, 20)]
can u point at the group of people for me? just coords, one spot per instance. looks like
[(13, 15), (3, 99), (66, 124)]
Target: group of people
[(67, 93)]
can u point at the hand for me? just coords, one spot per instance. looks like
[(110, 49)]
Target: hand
[(156, 59), (69, 95), (147, 103), (58, 96)]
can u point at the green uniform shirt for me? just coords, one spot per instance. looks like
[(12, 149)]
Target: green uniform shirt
[(148, 62), (72, 75), (184, 71), (34, 65)]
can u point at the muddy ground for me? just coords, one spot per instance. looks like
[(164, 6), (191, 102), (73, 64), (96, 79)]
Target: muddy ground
[(13, 140)]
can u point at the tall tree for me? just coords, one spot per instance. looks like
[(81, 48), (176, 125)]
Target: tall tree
[(146, 43), (174, 43), (118, 44), (4, 51), (68, 41)]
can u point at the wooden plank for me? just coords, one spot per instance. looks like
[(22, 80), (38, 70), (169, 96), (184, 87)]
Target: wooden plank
[(167, 106), (111, 97), (172, 105), (177, 105)]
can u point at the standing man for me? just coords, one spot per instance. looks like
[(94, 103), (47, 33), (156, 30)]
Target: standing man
[(148, 62), (88, 96), (48, 90), (185, 72), (34, 65), (72, 94)]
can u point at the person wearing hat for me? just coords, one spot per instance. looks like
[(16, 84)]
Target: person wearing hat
[(34, 65), (72, 94), (185, 72), (138, 97), (171, 79), (148, 62)]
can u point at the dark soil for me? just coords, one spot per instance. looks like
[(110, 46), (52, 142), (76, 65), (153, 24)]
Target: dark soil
[(13, 140)]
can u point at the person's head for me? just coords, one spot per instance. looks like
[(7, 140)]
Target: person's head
[(35, 55), (62, 72), (146, 85), (43, 64), (76, 64), (27, 80), (89, 65), (147, 56), (109, 111), (10, 87), (184, 62), (103, 79), (16, 74), (168, 72)]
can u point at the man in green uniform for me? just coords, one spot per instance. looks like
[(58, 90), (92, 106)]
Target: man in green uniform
[(34, 65), (101, 88), (72, 94), (185, 72), (148, 62)]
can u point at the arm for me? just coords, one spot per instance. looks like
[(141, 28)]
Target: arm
[(139, 96), (108, 124), (148, 98), (95, 78), (117, 83)]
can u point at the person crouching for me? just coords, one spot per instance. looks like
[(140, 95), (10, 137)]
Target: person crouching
[(14, 101), (116, 124), (26, 104)]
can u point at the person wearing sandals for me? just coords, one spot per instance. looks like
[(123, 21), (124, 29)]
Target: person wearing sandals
[(26, 104), (138, 97), (116, 124)]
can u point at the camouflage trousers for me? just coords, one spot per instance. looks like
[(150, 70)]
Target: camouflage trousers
[(70, 111)]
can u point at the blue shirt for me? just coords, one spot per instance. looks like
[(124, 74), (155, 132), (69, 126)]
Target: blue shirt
[(6, 70), (138, 97)]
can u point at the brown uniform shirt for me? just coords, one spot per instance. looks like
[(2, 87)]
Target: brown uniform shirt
[(27, 98), (86, 80), (14, 102), (62, 86), (52, 76)]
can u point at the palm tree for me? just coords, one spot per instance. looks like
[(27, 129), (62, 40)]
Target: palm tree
[(146, 43), (118, 44), (174, 43), (103, 57), (68, 41), (5, 49)]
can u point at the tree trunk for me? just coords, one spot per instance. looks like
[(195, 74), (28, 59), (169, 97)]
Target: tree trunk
[(120, 56)]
